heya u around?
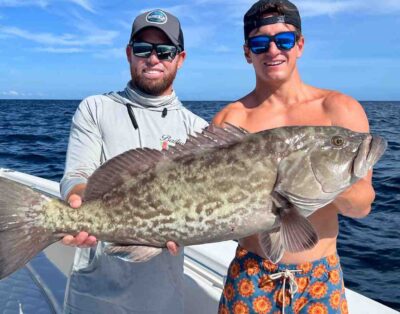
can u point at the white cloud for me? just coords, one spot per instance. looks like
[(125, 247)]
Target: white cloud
[(310, 8), (196, 35), (365, 62), (84, 4), (16, 94), (12, 93), (237, 8), (383, 7), (206, 65), (58, 50), (20, 3), (204, 11), (328, 7), (125, 25), (243, 3), (110, 53), (102, 37), (93, 32), (222, 49), (178, 10)]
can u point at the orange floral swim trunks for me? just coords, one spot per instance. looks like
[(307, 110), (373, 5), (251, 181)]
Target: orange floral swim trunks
[(256, 285)]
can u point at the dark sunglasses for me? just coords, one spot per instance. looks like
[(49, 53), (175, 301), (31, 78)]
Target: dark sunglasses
[(260, 44), (144, 49)]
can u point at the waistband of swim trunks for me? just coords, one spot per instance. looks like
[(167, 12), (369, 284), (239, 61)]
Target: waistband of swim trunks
[(330, 262)]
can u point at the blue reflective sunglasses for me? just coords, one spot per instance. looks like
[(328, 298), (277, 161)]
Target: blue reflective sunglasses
[(260, 44)]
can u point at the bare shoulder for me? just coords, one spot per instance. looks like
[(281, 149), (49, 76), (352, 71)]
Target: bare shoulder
[(345, 111), (232, 113)]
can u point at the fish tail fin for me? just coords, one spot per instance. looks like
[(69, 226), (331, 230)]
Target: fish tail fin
[(21, 236), (296, 233)]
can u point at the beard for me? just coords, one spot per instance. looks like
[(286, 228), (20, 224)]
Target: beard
[(153, 87)]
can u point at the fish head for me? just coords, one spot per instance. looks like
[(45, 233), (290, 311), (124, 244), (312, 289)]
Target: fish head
[(321, 162), (341, 157)]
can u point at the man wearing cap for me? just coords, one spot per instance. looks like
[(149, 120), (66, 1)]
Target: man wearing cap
[(147, 113), (300, 282)]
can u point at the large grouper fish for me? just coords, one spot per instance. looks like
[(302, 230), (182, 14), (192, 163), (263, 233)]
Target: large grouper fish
[(222, 184)]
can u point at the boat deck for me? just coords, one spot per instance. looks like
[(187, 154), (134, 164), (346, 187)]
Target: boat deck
[(37, 288)]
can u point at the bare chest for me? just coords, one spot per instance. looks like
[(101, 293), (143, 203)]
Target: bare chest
[(268, 117)]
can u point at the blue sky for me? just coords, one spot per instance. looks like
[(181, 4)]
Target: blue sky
[(70, 49)]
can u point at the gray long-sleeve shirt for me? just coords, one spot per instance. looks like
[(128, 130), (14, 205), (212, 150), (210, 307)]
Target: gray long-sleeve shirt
[(101, 129)]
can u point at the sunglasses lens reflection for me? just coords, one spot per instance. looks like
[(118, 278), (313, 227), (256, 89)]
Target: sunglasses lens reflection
[(260, 44), (144, 50), (285, 41)]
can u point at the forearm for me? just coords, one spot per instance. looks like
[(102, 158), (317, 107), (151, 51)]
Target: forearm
[(84, 150), (356, 201)]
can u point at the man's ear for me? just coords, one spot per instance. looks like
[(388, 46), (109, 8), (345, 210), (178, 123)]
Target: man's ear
[(300, 46), (129, 53), (182, 57), (247, 52)]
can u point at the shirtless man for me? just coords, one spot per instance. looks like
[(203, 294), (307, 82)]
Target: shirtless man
[(273, 43)]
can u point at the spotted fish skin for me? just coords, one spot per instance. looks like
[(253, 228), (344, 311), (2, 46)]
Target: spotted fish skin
[(197, 199), (220, 185)]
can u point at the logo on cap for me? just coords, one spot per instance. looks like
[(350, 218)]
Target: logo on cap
[(157, 17), (280, 19)]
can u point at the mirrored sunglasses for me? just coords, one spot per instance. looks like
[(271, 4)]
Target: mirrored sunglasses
[(260, 44), (164, 51)]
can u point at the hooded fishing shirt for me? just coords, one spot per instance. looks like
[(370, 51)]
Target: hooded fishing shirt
[(102, 128)]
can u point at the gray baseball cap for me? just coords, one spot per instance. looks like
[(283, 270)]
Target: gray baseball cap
[(162, 20)]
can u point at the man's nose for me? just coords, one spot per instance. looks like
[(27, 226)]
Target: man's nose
[(273, 48), (153, 58)]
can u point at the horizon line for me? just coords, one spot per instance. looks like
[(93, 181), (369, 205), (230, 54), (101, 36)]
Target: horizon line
[(182, 100)]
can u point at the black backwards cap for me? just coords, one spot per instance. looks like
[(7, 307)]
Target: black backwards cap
[(162, 20), (288, 13)]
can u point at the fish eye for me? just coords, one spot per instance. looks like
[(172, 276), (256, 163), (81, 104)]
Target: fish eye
[(337, 141)]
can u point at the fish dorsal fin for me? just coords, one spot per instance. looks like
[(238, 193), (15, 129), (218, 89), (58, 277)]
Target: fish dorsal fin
[(211, 138), (129, 164), (118, 169)]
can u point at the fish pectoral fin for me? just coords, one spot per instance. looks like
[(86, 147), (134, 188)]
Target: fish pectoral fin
[(133, 254), (270, 242), (296, 233)]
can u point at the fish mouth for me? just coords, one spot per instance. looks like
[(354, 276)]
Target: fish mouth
[(378, 148), (369, 152)]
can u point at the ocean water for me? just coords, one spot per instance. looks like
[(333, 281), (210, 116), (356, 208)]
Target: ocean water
[(34, 135)]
